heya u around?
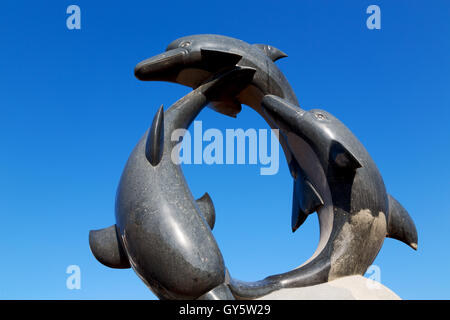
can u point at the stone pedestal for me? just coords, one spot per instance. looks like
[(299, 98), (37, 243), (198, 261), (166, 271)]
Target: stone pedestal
[(347, 288)]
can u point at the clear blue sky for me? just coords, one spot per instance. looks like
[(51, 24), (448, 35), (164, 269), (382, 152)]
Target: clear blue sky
[(71, 111)]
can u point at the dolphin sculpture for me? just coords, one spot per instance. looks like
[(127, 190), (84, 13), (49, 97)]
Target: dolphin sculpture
[(161, 231), (337, 178)]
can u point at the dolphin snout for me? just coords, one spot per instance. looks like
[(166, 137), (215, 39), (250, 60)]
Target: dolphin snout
[(161, 66), (280, 112)]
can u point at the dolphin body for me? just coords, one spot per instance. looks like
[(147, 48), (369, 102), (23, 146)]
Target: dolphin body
[(161, 231), (337, 178), (193, 59)]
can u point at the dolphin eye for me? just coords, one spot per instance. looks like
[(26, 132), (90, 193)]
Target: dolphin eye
[(185, 44), (320, 116)]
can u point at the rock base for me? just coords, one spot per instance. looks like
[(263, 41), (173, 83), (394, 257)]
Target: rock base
[(347, 288)]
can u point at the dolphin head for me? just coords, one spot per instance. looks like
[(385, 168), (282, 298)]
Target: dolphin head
[(329, 137), (194, 60), (190, 60)]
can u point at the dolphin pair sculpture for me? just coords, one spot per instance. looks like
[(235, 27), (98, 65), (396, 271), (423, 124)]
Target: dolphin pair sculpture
[(165, 236)]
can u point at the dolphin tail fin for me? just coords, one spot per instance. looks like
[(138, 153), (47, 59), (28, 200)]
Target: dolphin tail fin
[(400, 225), (107, 249), (206, 207)]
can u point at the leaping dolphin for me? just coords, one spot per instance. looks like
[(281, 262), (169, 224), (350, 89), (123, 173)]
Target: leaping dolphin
[(337, 178), (193, 59), (161, 231)]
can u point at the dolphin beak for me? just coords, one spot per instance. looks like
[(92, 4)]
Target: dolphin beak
[(163, 67), (280, 112)]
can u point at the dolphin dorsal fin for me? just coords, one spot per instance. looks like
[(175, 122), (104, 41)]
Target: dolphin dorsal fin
[(155, 139), (272, 52)]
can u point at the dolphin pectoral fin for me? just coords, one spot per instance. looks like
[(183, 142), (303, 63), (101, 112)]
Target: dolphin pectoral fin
[(155, 139), (343, 157), (400, 225), (272, 52), (106, 247), (306, 200), (228, 84), (216, 59), (206, 207), (229, 108), (298, 216)]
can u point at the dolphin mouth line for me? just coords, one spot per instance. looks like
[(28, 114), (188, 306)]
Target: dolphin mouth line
[(159, 62), (166, 56)]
